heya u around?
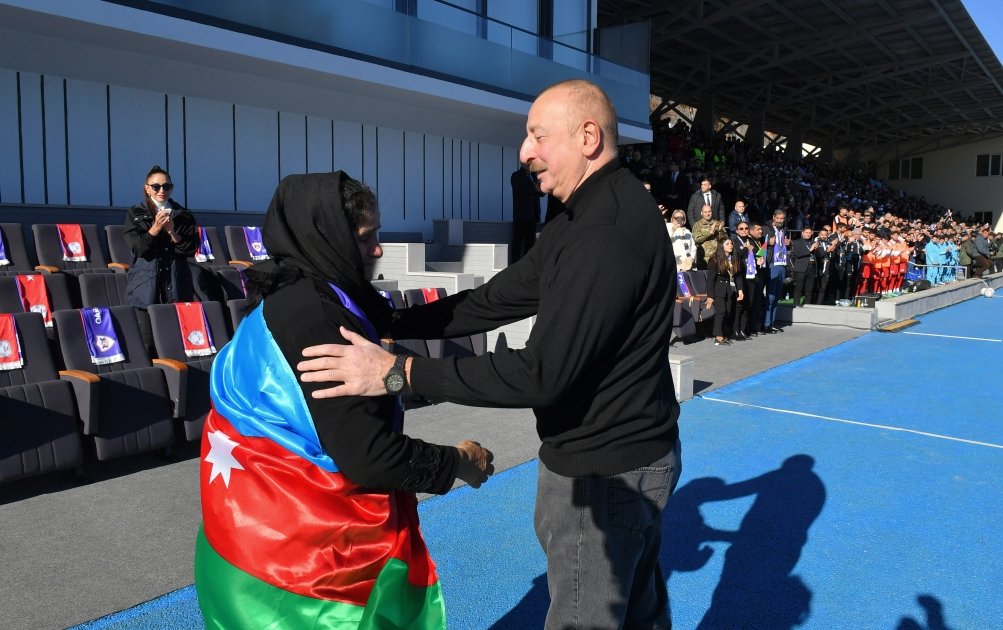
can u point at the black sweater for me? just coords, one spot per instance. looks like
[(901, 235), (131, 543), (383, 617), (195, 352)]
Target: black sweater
[(601, 282), (357, 432)]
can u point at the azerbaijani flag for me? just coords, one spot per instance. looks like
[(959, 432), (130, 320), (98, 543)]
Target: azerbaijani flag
[(287, 541)]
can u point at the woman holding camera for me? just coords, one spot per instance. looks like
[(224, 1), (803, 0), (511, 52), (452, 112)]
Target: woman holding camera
[(725, 287), (162, 235)]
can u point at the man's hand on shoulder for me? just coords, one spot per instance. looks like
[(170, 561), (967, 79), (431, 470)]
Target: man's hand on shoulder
[(359, 367)]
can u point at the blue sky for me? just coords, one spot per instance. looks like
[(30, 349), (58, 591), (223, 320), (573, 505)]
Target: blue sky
[(988, 15)]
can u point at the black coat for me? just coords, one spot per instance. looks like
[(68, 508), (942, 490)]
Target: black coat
[(159, 271)]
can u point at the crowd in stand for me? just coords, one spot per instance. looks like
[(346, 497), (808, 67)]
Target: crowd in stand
[(766, 227)]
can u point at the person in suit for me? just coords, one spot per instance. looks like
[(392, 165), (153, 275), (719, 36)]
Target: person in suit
[(737, 216), (776, 261), (677, 187), (803, 262), (525, 213), (706, 196)]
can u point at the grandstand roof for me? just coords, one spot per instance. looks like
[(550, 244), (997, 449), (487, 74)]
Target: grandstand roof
[(856, 72)]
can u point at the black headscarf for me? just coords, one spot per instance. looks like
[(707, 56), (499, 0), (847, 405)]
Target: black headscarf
[(307, 234)]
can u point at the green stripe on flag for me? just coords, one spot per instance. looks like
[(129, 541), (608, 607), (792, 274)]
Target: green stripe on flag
[(232, 599)]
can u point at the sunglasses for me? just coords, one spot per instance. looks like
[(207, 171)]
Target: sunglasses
[(168, 187), (742, 227)]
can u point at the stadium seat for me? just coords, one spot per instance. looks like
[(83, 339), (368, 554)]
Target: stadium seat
[(50, 253), (102, 289), (462, 346), (221, 255), (169, 344), (40, 409), (135, 396), (118, 247), (236, 244), (237, 308), (230, 282), (57, 287), (17, 253)]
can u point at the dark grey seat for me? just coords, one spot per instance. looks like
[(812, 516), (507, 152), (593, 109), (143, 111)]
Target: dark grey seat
[(237, 246), (102, 289), (50, 253), (230, 282), (167, 338), (462, 346), (40, 409), (56, 285), (411, 347), (138, 400), (118, 247), (13, 241), (237, 308)]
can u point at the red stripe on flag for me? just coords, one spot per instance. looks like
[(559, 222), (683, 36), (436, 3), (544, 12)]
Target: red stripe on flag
[(283, 520)]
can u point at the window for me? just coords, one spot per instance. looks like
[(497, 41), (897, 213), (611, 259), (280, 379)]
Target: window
[(907, 168), (987, 164), (980, 218)]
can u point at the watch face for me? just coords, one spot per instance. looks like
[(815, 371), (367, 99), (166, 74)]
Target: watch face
[(394, 382)]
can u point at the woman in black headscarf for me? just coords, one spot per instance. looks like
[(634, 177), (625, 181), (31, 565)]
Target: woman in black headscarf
[(318, 494)]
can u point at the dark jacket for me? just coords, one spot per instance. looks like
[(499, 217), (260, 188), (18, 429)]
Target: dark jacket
[(601, 281), (722, 285), (802, 255), (159, 271)]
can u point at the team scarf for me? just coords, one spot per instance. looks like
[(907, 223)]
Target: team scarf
[(684, 289), (431, 295), (34, 296), (71, 239), (3, 250), (196, 336), (287, 540), (204, 251), (779, 248), (10, 344), (102, 340), (750, 264), (255, 246)]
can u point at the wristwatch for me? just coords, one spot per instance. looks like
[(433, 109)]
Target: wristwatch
[(396, 379)]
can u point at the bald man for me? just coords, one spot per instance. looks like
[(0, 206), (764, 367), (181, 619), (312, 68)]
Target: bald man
[(601, 281)]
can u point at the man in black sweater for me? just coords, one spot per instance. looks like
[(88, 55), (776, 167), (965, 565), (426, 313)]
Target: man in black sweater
[(601, 281)]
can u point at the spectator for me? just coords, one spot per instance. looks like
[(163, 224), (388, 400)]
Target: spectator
[(683, 245), (824, 264), (725, 287), (980, 260), (849, 255), (163, 236), (706, 233), (706, 196), (777, 243), (755, 280), (677, 187), (996, 247), (804, 266), (737, 216)]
